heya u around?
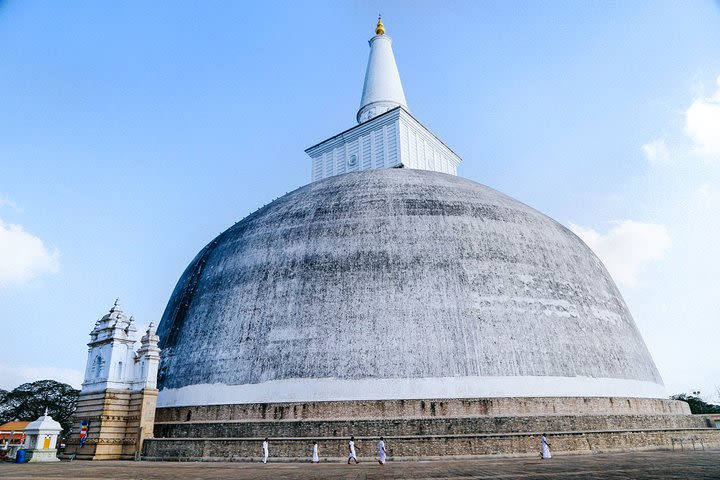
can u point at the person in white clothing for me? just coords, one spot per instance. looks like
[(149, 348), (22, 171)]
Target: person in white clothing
[(351, 448), (544, 448), (265, 450), (381, 448), (316, 455)]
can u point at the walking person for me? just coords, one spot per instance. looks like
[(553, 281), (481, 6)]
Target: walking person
[(381, 448), (316, 454), (351, 448), (544, 448), (265, 450)]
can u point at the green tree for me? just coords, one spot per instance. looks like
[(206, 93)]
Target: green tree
[(29, 400), (697, 405)]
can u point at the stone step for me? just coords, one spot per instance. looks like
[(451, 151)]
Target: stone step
[(424, 426), (429, 446), (428, 408)]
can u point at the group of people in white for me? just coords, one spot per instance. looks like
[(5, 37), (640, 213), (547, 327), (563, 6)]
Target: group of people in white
[(352, 454)]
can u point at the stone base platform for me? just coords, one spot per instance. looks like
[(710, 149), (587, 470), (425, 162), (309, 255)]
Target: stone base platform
[(395, 409), (118, 422), (425, 447), (42, 455), (424, 429)]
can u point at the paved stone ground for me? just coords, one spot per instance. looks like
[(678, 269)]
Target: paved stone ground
[(635, 465)]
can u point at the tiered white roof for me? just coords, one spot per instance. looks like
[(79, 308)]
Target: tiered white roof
[(114, 325), (43, 424), (112, 359)]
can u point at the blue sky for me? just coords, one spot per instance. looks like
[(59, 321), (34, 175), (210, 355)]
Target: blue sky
[(133, 133)]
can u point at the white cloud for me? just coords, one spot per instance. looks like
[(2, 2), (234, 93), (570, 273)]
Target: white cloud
[(657, 152), (702, 128), (12, 376), (702, 124), (23, 256), (627, 247)]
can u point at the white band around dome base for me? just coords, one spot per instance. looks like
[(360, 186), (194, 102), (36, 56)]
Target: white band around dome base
[(335, 389)]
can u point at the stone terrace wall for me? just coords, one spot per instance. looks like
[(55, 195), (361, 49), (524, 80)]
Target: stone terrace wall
[(427, 426), (397, 409), (426, 447)]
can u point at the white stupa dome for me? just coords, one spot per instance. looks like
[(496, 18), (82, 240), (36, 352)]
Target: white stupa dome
[(398, 284)]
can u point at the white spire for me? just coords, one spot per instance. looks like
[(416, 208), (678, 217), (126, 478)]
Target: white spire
[(382, 90), (386, 136)]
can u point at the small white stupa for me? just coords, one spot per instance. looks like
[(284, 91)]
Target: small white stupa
[(41, 439)]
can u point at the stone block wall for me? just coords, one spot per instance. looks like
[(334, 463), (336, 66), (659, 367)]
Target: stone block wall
[(119, 421), (396, 409), (425, 428), (424, 447)]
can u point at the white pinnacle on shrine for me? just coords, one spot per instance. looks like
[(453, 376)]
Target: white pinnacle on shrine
[(382, 90), (387, 135)]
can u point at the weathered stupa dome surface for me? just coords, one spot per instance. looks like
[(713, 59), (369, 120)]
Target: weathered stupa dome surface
[(398, 284)]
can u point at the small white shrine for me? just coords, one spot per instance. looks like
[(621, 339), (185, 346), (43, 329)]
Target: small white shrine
[(41, 439)]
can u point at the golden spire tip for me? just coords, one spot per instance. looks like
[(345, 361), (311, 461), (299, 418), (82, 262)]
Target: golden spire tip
[(380, 28)]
